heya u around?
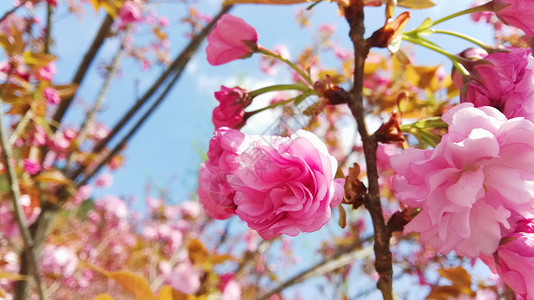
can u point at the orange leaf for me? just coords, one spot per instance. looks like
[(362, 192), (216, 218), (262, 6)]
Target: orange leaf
[(11, 276), (53, 176), (66, 90), (133, 283), (104, 297), (166, 293), (198, 254), (458, 276)]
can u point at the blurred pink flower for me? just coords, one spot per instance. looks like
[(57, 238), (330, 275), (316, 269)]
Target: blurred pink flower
[(231, 39), (31, 167), (185, 277), (47, 72), (130, 13), (505, 82), (164, 21), (268, 63), (105, 180), (286, 186), (514, 259), (113, 206), (83, 193), (231, 291), (474, 185), (51, 95), (517, 13), (58, 260), (12, 21), (231, 110), (190, 209)]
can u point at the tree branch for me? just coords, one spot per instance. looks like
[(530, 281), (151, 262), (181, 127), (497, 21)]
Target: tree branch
[(97, 106), (355, 17), (83, 67), (48, 28), (341, 258), (7, 156)]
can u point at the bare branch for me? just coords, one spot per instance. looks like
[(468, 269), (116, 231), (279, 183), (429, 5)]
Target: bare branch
[(7, 156), (83, 67), (48, 28), (341, 258), (97, 106), (355, 16)]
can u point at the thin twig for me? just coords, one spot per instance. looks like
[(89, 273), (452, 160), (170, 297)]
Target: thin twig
[(7, 156), (48, 28), (97, 106), (21, 125), (83, 67), (341, 258), (383, 261), (177, 66)]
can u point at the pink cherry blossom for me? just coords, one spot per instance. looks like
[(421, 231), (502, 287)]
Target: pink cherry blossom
[(517, 13), (231, 39), (130, 13), (105, 180), (214, 192), (474, 185), (505, 82), (286, 186), (11, 22), (83, 193), (185, 277), (51, 95), (231, 291), (231, 110), (514, 259), (31, 166), (58, 260), (47, 72)]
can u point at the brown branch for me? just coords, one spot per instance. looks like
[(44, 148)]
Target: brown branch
[(83, 67), (7, 156), (176, 66), (341, 258), (97, 106), (48, 28), (355, 17)]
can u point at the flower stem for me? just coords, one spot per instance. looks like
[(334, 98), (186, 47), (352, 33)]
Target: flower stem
[(278, 87), (272, 106), (465, 37), (484, 7), (292, 65), (456, 61)]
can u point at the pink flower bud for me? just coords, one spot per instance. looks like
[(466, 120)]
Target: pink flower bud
[(32, 167), (231, 111), (231, 39), (51, 95), (514, 259)]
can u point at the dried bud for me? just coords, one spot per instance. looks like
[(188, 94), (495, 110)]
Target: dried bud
[(390, 132), (398, 221), (355, 190)]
